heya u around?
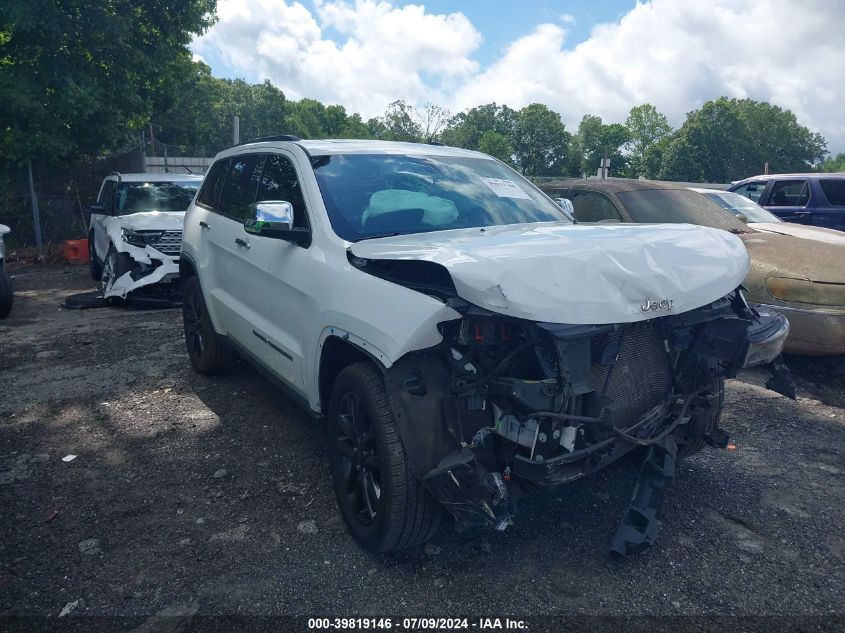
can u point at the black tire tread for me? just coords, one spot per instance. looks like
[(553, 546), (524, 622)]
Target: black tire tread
[(6, 292), (414, 515), (219, 356)]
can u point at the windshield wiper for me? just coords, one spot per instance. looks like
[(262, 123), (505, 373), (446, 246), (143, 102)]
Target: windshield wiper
[(378, 235)]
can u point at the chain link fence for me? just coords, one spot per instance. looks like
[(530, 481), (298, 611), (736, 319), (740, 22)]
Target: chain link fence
[(63, 191)]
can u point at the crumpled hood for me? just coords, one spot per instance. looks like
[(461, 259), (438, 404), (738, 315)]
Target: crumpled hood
[(154, 220), (578, 274), (820, 234), (786, 256)]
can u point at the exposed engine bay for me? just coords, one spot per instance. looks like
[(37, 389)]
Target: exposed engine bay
[(504, 406)]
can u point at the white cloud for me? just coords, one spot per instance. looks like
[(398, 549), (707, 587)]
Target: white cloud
[(385, 52), (676, 55)]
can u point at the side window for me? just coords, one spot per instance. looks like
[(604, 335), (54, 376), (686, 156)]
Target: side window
[(751, 190), (279, 182), (790, 193), (107, 195), (834, 190), (212, 185), (593, 207), (240, 186)]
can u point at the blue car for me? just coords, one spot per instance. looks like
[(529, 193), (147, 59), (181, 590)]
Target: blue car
[(815, 199)]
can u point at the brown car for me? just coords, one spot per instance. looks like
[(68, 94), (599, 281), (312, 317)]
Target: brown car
[(803, 277)]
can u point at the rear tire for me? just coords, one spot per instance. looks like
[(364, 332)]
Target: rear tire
[(6, 292), (208, 352), (386, 508), (704, 424)]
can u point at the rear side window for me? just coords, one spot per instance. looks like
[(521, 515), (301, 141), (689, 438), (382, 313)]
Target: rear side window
[(751, 190), (834, 190), (279, 182), (593, 207), (790, 193), (209, 195), (241, 186)]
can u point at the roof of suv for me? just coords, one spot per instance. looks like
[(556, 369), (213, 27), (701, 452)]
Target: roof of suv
[(142, 177), (838, 174), (321, 147)]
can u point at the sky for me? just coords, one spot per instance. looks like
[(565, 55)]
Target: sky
[(576, 56)]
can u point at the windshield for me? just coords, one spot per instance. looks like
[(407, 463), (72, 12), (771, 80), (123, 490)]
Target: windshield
[(737, 204), (134, 197), (678, 205), (371, 195)]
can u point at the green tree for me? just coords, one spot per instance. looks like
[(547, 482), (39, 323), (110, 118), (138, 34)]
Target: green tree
[(728, 139), (466, 128), (80, 76), (400, 123), (833, 163), (778, 139), (594, 141), (648, 130), (496, 145), (712, 145), (540, 141)]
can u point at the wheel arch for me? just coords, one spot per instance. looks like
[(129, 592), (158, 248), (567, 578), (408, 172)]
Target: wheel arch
[(336, 354)]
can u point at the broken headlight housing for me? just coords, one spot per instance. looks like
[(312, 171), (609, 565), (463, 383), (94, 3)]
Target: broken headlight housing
[(140, 238)]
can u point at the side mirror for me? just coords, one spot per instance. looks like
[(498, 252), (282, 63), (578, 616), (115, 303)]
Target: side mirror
[(274, 219), (97, 209), (742, 217), (566, 206)]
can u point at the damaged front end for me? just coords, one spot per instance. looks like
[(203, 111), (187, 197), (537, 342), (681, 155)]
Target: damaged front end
[(504, 406), (145, 263)]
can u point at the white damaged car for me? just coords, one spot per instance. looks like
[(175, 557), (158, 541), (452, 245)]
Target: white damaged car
[(136, 231), (465, 341)]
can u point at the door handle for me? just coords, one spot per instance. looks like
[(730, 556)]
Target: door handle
[(205, 225), (241, 242)]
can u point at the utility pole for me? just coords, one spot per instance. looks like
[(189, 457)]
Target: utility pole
[(236, 130), (36, 215), (152, 140)]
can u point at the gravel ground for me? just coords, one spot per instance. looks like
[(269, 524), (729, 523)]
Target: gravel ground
[(212, 496)]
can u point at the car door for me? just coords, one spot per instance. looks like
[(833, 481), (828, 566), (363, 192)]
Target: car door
[(236, 297), (789, 200), (283, 273)]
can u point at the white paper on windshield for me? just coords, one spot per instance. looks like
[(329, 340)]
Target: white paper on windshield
[(505, 188)]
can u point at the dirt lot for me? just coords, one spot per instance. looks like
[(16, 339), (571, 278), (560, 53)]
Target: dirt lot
[(191, 494)]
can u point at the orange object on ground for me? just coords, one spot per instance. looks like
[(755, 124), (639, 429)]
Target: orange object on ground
[(76, 251)]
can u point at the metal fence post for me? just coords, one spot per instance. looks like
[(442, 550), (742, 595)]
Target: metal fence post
[(36, 215)]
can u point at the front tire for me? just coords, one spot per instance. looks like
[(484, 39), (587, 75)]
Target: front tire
[(114, 267), (384, 505), (93, 262), (6, 292), (208, 353)]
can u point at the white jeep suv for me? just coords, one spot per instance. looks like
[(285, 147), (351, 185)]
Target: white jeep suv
[(465, 341), (136, 231)]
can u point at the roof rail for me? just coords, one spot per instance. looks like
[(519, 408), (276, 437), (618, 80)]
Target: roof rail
[(438, 143), (263, 139)]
